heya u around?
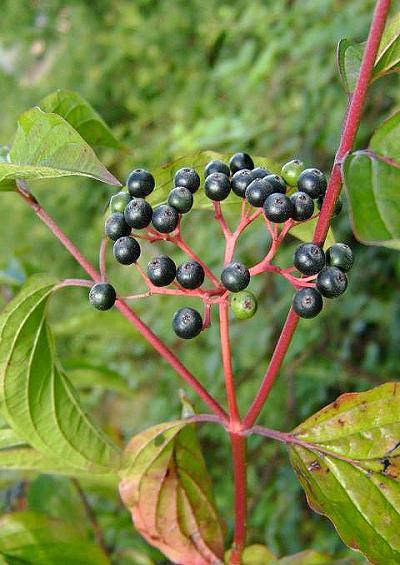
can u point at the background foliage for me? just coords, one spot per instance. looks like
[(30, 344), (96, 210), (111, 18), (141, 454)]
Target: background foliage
[(172, 77)]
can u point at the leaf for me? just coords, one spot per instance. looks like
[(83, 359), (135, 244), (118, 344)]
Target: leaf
[(81, 116), (347, 458), (37, 399), (386, 138), (388, 59), (87, 375), (255, 555), (166, 487), (32, 538), (305, 231), (373, 190), (45, 147), (349, 56)]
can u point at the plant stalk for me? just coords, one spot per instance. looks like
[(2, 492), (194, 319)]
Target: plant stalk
[(238, 446)]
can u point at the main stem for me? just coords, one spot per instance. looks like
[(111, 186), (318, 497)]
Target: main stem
[(349, 132), (238, 447)]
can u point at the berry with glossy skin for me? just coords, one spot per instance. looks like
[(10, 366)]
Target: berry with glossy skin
[(331, 282), (187, 323), (240, 161), (235, 277), (181, 199), (278, 208), (307, 302), (165, 218), (126, 250), (244, 305), (303, 206), (217, 186), (116, 227), (309, 258), (119, 201), (338, 205), (140, 183), (340, 255), (291, 171), (313, 182), (276, 183), (257, 192), (240, 181), (138, 213), (260, 173), (216, 166), (102, 296), (190, 275), (188, 178), (161, 270)]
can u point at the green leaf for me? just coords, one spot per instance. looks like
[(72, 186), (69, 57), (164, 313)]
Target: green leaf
[(311, 557), (37, 399), (166, 487), (386, 138), (255, 555), (347, 458), (388, 59), (81, 116), (373, 189), (349, 56), (45, 147), (32, 538), (87, 375), (305, 231)]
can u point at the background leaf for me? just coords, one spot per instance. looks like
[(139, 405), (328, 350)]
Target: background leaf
[(349, 465), (255, 554), (38, 401), (82, 117), (349, 56), (386, 138), (32, 538), (373, 189), (166, 487), (46, 146)]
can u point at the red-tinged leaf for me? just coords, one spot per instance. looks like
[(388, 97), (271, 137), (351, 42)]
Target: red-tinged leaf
[(166, 487)]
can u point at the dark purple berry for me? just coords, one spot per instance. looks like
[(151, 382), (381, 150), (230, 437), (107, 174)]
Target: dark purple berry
[(278, 208), (188, 178), (161, 270), (331, 282), (102, 296), (303, 206), (240, 161), (187, 323), (217, 186), (138, 213), (116, 227), (126, 250), (309, 258), (190, 275), (313, 182), (181, 199), (235, 277), (307, 302), (257, 192), (165, 218), (240, 181), (216, 166), (140, 183)]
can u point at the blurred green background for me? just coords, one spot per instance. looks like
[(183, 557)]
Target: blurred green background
[(172, 77)]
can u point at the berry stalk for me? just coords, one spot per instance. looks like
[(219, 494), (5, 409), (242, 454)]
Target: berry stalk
[(238, 447), (154, 341), (349, 132)]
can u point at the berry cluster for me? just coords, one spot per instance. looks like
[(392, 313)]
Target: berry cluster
[(286, 199), (331, 280)]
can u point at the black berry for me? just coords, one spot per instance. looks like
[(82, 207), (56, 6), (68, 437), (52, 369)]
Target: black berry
[(307, 302), (119, 201), (216, 166), (190, 275), (217, 186), (276, 183), (260, 173), (331, 282), (309, 258), (140, 183), (165, 218), (126, 250), (181, 199), (161, 270), (340, 255), (313, 182), (257, 192), (187, 323), (240, 181), (240, 161), (188, 178), (138, 213), (338, 205), (235, 277), (291, 171), (303, 206), (102, 296), (278, 208), (116, 227)]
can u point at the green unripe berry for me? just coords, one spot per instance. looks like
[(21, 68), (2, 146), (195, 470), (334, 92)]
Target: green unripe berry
[(291, 171), (244, 305), (119, 201)]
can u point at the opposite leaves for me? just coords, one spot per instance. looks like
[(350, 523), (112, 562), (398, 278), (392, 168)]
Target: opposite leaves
[(37, 400), (166, 487), (347, 458)]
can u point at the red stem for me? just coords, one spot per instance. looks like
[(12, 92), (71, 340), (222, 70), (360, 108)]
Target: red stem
[(238, 447), (156, 343), (227, 366), (350, 128)]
